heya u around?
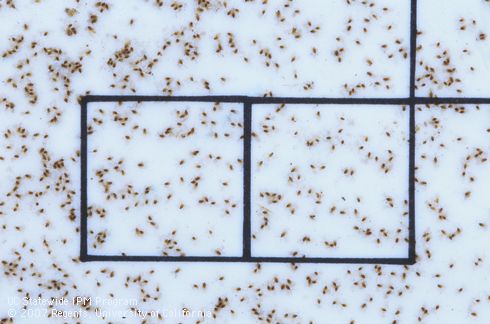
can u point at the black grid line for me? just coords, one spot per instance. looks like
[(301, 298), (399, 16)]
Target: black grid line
[(291, 100), (247, 179), (83, 180), (411, 101), (411, 147), (411, 186), (142, 258)]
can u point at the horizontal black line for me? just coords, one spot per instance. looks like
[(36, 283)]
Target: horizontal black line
[(123, 258), (247, 99), (286, 100), (450, 100)]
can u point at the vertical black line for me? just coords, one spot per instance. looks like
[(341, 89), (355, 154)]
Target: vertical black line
[(411, 186), (83, 181), (411, 177), (413, 46), (247, 134)]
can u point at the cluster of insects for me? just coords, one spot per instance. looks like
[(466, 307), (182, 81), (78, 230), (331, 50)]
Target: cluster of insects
[(307, 200)]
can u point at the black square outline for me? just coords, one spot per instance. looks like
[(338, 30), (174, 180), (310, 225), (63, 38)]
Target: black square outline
[(248, 103)]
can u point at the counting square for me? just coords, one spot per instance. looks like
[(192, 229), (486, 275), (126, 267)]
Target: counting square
[(330, 181), (164, 179), (453, 51)]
